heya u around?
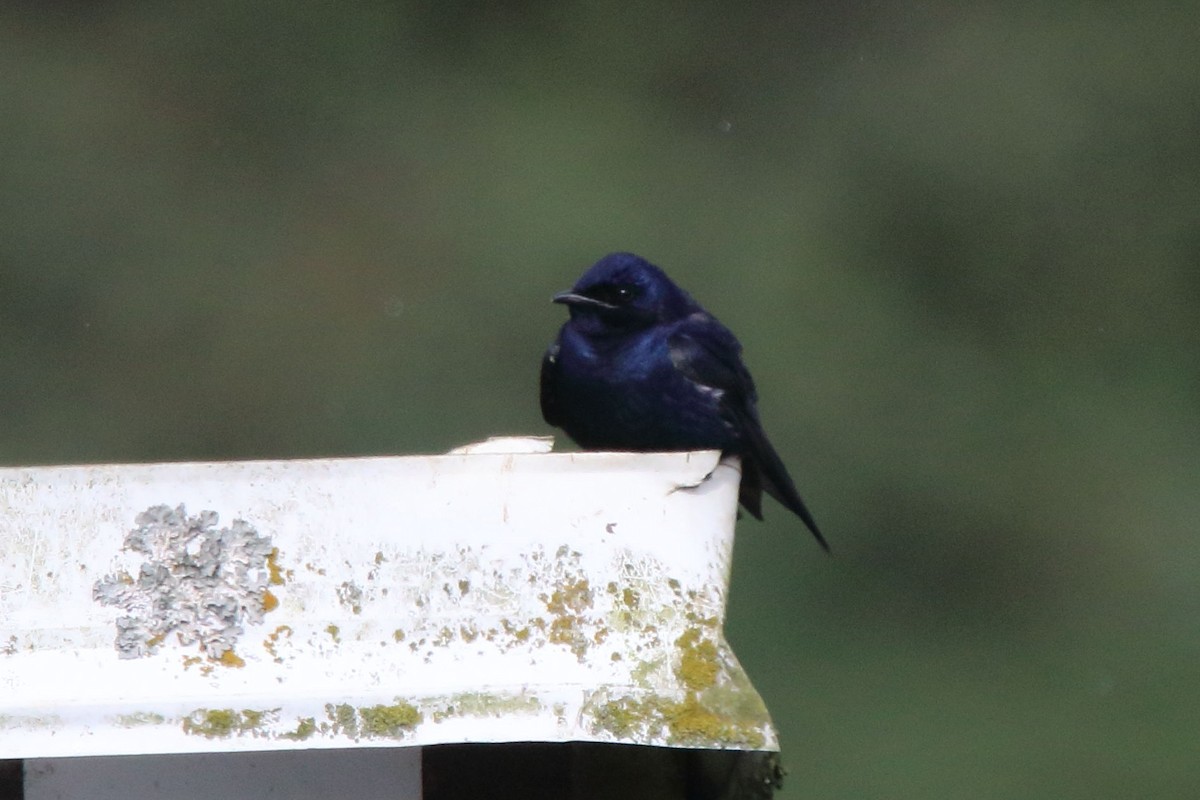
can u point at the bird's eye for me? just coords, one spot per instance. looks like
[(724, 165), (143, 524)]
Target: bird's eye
[(614, 294)]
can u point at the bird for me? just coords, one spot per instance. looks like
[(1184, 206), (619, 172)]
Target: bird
[(641, 366)]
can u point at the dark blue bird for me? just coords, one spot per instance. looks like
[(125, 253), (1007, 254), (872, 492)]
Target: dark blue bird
[(641, 366)]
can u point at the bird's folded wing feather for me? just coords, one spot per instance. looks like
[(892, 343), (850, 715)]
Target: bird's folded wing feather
[(705, 352)]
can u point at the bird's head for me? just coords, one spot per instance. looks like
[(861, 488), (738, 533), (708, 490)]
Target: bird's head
[(622, 292)]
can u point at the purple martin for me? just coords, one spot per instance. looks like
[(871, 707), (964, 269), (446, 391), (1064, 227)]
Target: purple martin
[(640, 365)]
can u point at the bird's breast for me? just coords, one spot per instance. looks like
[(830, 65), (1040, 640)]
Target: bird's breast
[(632, 397)]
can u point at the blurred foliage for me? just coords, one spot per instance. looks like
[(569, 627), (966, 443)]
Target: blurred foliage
[(959, 243)]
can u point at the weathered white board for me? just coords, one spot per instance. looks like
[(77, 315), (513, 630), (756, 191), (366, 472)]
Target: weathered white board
[(475, 597)]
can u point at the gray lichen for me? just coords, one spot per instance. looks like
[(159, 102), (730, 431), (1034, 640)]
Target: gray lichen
[(197, 581)]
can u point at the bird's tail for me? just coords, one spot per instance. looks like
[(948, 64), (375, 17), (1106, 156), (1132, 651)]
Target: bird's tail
[(767, 473)]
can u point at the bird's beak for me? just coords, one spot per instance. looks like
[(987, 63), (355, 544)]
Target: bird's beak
[(572, 299)]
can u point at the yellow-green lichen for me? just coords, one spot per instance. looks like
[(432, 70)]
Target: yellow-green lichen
[(213, 723), (483, 704), (566, 630), (334, 633), (567, 603), (271, 643), (273, 569), (342, 719), (693, 722), (716, 708), (571, 596), (305, 728), (231, 659), (390, 721), (350, 595), (220, 723), (398, 635), (251, 718), (622, 718), (519, 634), (644, 671), (688, 722), (697, 660), (139, 718)]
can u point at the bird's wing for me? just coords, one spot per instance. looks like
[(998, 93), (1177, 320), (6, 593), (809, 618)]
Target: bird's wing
[(549, 380), (707, 353)]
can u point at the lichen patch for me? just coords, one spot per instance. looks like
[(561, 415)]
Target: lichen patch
[(221, 723), (197, 583)]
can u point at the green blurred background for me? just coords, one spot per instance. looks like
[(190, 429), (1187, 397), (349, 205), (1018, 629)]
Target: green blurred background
[(959, 244)]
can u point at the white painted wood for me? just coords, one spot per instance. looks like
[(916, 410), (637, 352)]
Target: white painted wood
[(370, 602)]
